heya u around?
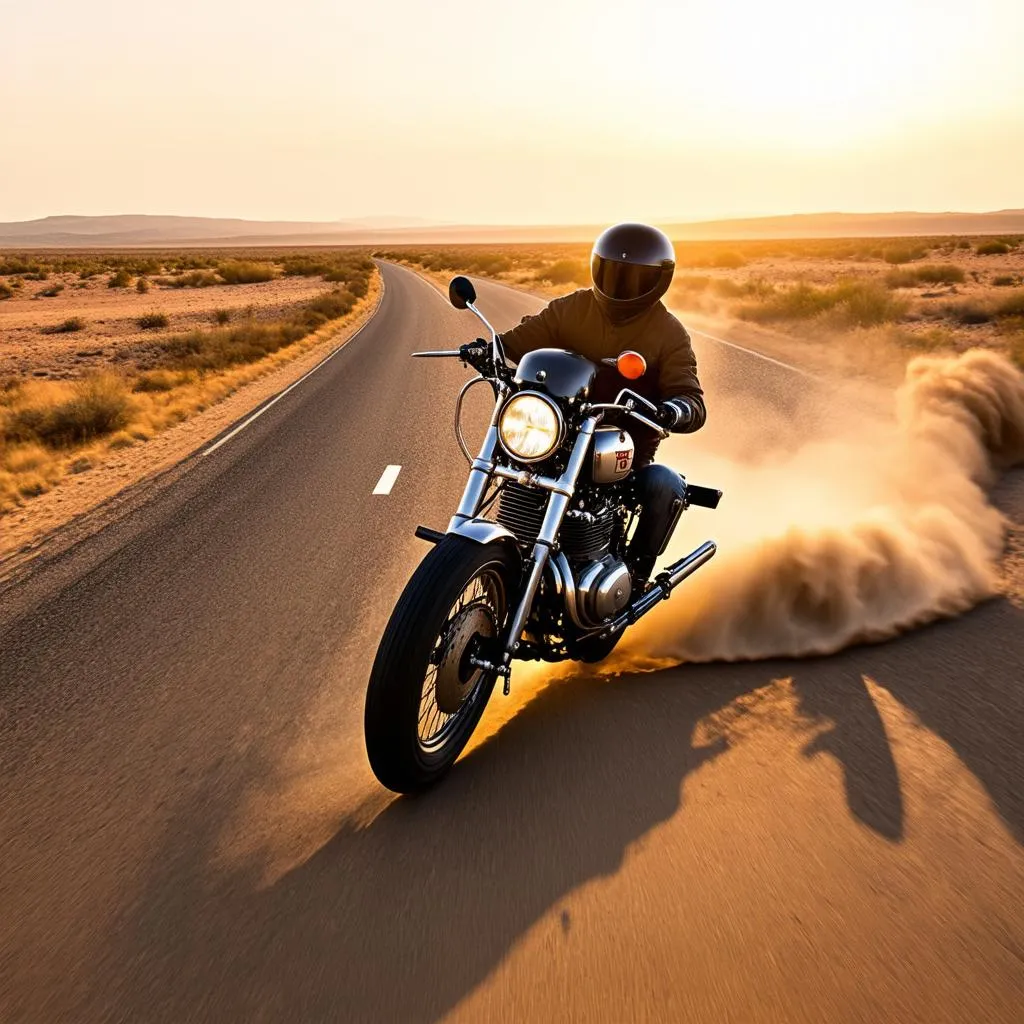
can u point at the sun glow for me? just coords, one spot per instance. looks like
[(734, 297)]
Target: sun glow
[(807, 72), (540, 111)]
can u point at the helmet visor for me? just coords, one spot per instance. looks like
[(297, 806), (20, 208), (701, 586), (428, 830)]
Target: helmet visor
[(623, 280)]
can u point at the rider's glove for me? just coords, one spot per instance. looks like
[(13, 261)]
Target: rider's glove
[(476, 353), (676, 414)]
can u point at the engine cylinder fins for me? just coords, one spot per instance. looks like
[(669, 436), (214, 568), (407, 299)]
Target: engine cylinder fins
[(583, 540), (521, 510), (582, 537)]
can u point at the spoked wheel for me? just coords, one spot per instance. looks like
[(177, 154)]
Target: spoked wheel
[(452, 679), (426, 695)]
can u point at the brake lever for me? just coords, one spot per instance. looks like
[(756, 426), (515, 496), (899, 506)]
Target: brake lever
[(656, 427)]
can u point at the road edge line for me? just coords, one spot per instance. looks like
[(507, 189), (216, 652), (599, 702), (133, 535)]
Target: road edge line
[(238, 427)]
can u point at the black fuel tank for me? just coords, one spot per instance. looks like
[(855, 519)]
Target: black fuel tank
[(560, 373)]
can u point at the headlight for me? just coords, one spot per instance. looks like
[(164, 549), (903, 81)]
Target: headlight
[(530, 427)]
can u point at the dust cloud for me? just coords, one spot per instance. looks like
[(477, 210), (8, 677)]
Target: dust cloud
[(853, 538)]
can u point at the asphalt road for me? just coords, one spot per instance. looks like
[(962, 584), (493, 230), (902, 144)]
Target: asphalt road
[(189, 830)]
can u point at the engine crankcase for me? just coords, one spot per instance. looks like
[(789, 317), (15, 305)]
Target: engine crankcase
[(603, 588)]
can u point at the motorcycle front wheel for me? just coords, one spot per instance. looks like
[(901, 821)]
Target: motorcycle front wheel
[(425, 696)]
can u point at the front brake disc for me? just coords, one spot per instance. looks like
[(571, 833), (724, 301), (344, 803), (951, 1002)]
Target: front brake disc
[(456, 674)]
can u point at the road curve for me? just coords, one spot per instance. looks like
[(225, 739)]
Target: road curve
[(189, 830)]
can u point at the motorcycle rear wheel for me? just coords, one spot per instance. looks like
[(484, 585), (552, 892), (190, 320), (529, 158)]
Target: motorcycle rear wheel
[(425, 697)]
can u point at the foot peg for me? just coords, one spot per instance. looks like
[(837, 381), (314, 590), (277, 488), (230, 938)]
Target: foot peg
[(706, 497)]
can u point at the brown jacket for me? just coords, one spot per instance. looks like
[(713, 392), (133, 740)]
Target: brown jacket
[(576, 322)]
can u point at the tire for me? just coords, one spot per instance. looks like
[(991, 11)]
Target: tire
[(413, 645)]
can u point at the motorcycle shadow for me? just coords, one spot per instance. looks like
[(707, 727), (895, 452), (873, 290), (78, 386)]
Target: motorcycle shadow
[(402, 918)]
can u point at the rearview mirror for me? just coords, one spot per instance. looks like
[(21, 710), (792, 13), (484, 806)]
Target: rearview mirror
[(461, 292)]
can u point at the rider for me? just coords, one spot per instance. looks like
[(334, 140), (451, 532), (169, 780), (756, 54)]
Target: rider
[(632, 267)]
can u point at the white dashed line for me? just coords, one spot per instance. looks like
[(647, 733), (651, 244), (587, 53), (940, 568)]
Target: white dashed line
[(387, 480)]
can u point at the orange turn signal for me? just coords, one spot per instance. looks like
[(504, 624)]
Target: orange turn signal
[(631, 365)]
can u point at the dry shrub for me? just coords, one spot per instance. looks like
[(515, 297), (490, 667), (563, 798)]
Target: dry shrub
[(866, 303), (120, 439), (69, 326), (61, 416), (853, 303), (564, 272), (120, 280), (928, 339), (152, 321), (903, 254), (306, 266), (928, 273), (26, 470), (995, 248), (1012, 305), (968, 313), (246, 272), (158, 380), (25, 458), (219, 349), (194, 279), (6, 291)]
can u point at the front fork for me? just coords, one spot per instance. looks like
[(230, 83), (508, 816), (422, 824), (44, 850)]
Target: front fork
[(561, 490)]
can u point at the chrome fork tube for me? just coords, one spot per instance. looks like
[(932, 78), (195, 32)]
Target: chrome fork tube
[(558, 503), (480, 471)]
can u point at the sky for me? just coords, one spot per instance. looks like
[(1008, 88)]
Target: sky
[(537, 111)]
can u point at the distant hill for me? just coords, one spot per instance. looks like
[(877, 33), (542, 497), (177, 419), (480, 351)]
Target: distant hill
[(145, 230), (853, 225)]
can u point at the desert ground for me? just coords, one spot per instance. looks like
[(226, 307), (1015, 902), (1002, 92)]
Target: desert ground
[(110, 335), (103, 352)]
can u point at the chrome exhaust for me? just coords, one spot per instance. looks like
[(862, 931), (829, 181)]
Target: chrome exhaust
[(664, 583)]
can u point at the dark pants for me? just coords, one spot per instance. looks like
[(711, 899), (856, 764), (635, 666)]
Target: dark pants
[(662, 492)]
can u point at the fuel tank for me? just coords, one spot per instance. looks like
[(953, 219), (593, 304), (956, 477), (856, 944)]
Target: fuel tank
[(612, 455)]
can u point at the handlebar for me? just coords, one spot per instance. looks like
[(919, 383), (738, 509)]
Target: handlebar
[(437, 353), (626, 402), (629, 411)]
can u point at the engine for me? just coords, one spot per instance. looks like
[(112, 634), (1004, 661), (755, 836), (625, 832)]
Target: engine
[(584, 536), (603, 589), (601, 580)]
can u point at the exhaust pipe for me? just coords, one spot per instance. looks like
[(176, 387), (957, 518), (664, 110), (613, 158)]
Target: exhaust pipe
[(664, 583)]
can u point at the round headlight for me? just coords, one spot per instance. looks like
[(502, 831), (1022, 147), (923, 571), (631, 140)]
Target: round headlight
[(530, 427)]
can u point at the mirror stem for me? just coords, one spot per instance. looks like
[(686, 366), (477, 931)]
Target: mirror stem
[(496, 349)]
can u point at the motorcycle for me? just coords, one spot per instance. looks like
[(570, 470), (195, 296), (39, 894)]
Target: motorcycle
[(532, 565)]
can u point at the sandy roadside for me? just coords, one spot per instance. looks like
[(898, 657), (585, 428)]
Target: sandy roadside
[(83, 503)]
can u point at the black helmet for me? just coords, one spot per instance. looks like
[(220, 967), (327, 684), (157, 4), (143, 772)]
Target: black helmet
[(632, 267)]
